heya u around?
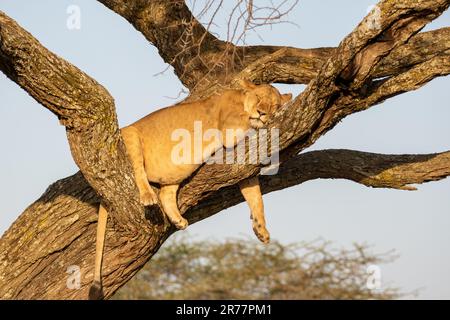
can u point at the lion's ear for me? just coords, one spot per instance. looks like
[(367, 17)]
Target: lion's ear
[(286, 98), (247, 85)]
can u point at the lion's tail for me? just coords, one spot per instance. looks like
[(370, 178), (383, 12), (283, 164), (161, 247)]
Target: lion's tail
[(96, 289)]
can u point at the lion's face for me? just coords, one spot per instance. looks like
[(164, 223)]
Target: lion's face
[(262, 101)]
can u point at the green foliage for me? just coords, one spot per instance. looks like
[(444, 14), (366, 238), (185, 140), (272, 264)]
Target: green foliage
[(242, 269)]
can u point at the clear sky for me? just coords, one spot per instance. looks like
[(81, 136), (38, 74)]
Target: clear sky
[(35, 153)]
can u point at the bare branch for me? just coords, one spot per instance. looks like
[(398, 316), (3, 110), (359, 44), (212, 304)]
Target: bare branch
[(179, 37)]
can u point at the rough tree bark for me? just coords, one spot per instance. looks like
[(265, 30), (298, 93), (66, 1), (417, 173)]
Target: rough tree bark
[(58, 230)]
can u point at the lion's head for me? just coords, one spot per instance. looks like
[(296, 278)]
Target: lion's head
[(261, 101)]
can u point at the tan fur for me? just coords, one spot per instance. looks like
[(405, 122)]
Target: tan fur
[(95, 292), (149, 146)]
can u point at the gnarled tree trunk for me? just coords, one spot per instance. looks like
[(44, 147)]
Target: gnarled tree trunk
[(58, 230)]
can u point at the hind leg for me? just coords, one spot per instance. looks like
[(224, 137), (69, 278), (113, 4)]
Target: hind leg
[(134, 150), (168, 198)]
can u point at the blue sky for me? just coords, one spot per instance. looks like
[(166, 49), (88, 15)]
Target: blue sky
[(35, 152)]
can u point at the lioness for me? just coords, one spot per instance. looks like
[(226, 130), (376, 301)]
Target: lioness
[(149, 143)]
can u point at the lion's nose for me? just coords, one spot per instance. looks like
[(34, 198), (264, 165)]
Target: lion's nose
[(261, 113)]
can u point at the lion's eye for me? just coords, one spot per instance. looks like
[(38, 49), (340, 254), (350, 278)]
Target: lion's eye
[(262, 113)]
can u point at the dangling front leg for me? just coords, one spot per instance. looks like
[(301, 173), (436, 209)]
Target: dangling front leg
[(251, 191)]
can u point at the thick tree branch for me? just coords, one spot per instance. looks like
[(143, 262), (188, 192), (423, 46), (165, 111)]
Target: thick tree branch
[(83, 106), (300, 66), (378, 91), (369, 169), (420, 48)]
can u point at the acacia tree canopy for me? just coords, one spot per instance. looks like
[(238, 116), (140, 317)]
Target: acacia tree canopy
[(238, 269), (369, 66)]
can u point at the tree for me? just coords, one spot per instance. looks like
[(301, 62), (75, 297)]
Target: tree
[(370, 65), (239, 269)]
